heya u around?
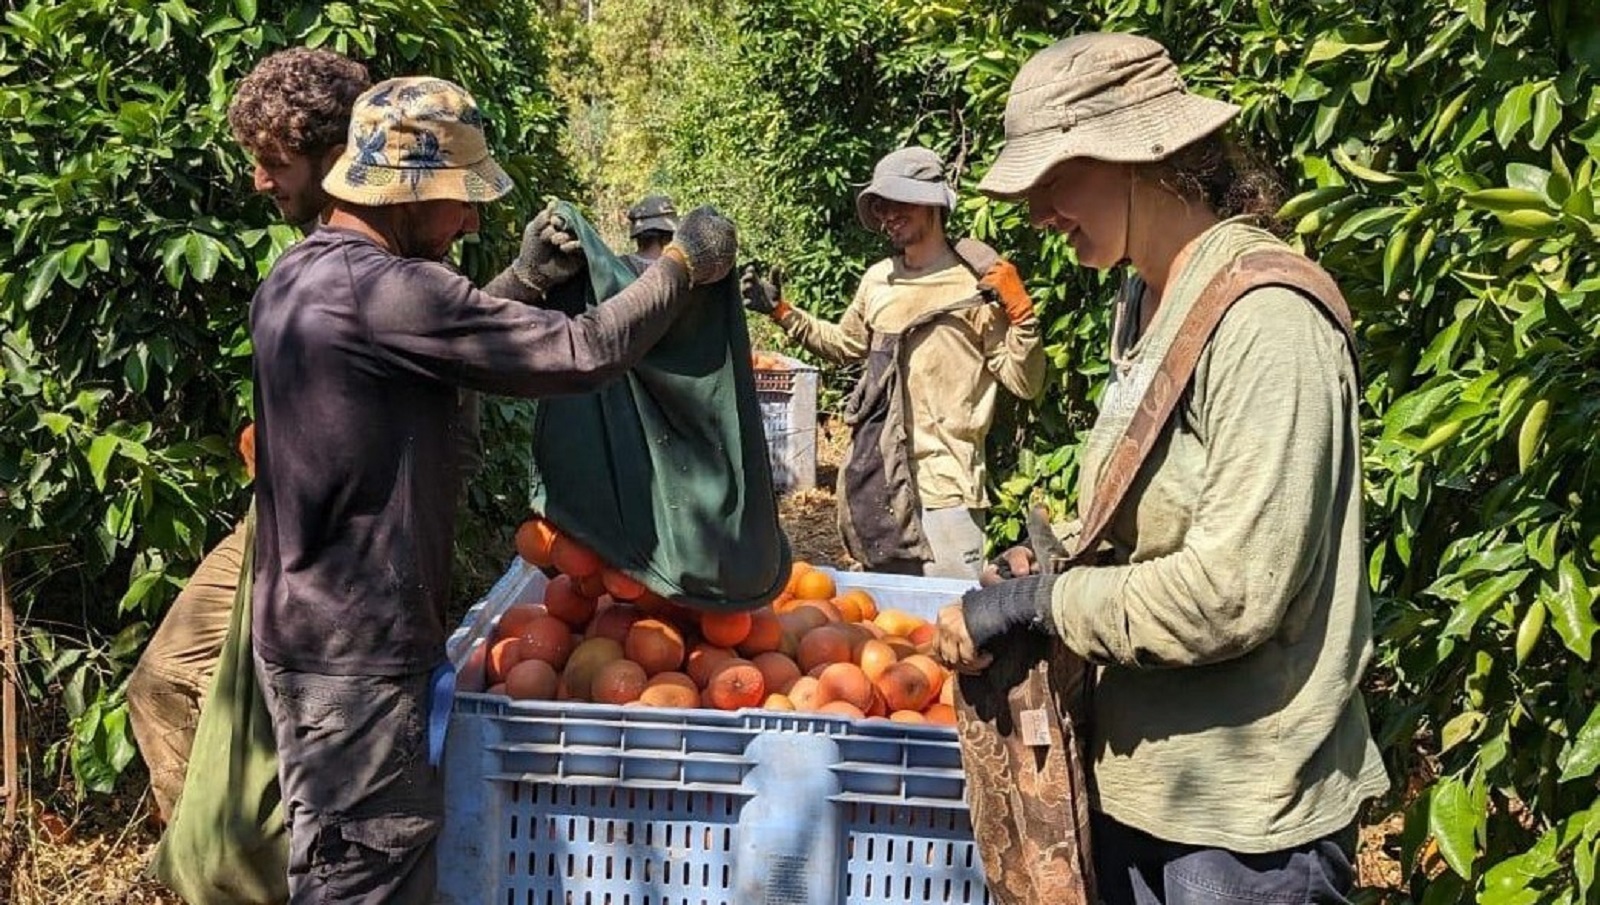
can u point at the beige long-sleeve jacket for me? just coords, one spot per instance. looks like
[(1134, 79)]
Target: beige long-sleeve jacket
[(955, 366)]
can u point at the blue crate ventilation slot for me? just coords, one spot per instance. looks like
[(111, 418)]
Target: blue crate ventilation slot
[(559, 803)]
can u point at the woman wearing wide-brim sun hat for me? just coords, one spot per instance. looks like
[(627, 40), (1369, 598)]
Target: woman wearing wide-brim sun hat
[(1230, 624)]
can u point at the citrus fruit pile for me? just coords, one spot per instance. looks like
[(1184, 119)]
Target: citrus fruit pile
[(768, 361), (600, 636)]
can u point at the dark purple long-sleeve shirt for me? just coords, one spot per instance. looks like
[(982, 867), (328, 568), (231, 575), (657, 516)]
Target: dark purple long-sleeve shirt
[(358, 357)]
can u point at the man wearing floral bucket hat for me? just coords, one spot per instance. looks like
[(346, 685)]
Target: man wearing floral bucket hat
[(1229, 624), (941, 327), (362, 338)]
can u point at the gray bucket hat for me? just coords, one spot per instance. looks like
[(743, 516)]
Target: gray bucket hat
[(1113, 97), (909, 175), (652, 213)]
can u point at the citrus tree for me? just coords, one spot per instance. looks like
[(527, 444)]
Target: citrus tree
[(133, 246)]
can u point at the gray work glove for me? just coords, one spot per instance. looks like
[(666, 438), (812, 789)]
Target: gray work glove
[(550, 254), (706, 243), (992, 611), (763, 296)]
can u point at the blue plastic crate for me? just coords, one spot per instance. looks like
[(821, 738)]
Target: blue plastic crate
[(560, 803)]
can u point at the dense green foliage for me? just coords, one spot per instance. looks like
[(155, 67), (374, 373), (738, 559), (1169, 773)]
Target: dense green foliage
[(133, 245), (1444, 157)]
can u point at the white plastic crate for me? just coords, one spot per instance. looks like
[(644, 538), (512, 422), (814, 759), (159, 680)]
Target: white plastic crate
[(788, 398), (561, 803)]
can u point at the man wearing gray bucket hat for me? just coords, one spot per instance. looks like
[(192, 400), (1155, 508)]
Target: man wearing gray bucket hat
[(362, 339), (1231, 626), (941, 328)]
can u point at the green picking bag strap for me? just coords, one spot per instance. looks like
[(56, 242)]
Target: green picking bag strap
[(1023, 723), (1250, 271)]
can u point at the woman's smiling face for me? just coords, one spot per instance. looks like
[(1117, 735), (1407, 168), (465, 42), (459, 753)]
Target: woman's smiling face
[(1087, 201)]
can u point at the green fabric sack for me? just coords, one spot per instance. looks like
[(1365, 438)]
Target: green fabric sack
[(664, 473), (227, 843)]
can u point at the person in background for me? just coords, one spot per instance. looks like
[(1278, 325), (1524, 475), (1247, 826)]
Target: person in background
[(362, 338), (942, 329), (1229, 743), (290, 114), (651, 224)]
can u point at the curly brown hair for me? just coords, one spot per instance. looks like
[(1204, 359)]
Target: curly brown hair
[(1228, 176), (296, 101)]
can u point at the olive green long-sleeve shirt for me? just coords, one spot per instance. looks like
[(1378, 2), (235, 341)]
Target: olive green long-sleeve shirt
[(1234, 633), (954, 366)]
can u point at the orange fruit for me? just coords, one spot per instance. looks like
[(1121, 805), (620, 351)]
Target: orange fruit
[(879, 708), (845, 682), (803, 619), (725, 629), (803, 693), (503, 654), (849, 609), (591, 586), (618, 682), (907, 716), (947, 692), (736, 684), (586, 660), (498, 688), (514, 621), (574, 558), (923, 635), (936, 674), (905, 687), (814, 585), (777, 702), (941, 714), (842, 708), (863, 603), (655, 645), (565, 602), (614, 621), (532, 680), (823, 645), (779, 672), (549, 639), (704, 658), (621, 585), (673, 678), (797, 569), (535, 539), (813, 608), (670, 694), (897, 622), (874, 657), (766, 633)]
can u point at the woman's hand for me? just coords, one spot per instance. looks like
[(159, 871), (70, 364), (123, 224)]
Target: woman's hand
[(953, 646)]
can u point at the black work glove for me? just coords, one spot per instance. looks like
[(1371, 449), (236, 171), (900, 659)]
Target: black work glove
[(706, 243), (992, 611), (550, 253), (763, 296)]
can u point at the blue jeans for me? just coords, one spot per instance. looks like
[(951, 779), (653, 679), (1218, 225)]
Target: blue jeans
[(1133, 867)]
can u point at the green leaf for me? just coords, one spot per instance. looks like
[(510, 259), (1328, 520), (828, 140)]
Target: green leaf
[(1327, 48), (1513, 113), (203, 254), (100, 451), (1461, 728), (1546, 115), (1508, 199), (1571, 605), (1365, 174), (1582, 758), (139, 588), (1487, 593), (44, 275), (1453, 822)]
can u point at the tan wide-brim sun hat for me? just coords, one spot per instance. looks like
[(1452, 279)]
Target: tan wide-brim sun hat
[(1112, 97), (909, 175), (416, 139)]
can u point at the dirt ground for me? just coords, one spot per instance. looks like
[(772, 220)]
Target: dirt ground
[(95, 854)]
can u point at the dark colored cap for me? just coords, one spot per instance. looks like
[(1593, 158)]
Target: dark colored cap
[(654, 213)]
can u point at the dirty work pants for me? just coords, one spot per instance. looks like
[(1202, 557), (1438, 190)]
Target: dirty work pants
[(955, 535), (169, 684), (1133, 867), (362, 803)]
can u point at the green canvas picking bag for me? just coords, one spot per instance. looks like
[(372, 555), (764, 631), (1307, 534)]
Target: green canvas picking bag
[(664, 472), (227, 843)]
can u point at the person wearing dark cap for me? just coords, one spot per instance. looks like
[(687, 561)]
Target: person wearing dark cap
[(1231, 626), (942, 328), (362, 338), (651, 224)]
